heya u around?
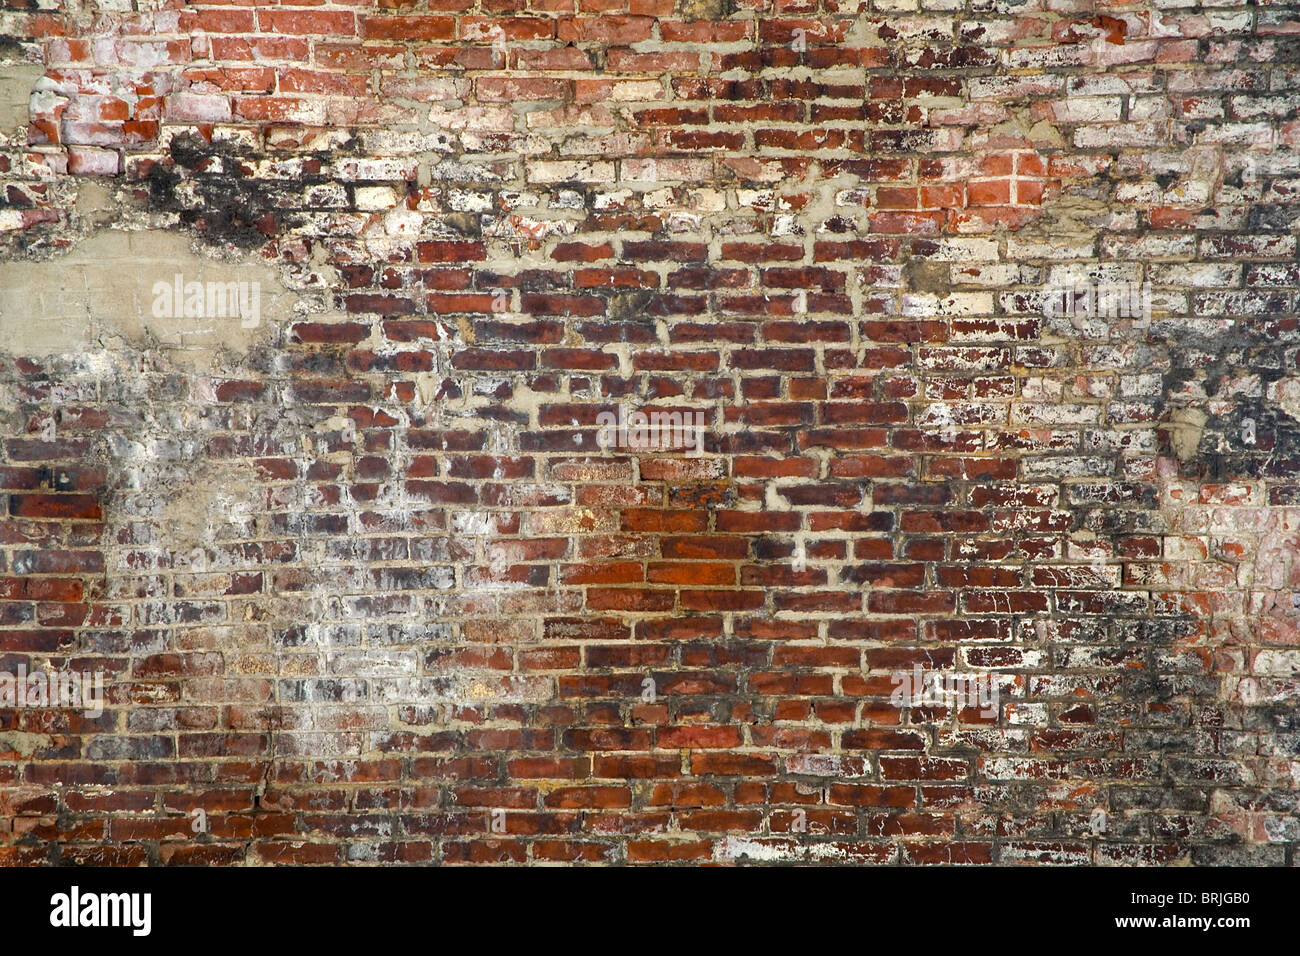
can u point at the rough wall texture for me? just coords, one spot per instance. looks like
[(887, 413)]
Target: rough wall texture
[(366, 587)]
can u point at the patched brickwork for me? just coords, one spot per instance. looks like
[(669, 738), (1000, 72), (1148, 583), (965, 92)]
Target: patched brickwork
[(314, 318)]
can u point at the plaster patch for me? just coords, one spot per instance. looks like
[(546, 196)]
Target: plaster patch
[(108, 288)]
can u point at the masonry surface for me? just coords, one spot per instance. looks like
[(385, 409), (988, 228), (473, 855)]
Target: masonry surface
[(366, 585)]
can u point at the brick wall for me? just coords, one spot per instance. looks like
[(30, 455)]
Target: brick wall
[(366, 585)]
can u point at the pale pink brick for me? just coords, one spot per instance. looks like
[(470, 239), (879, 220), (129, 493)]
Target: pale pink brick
[(198, 108), (88, 161)]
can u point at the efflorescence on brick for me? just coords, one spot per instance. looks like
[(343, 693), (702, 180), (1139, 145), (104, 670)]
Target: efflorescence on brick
[(366, 585)]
